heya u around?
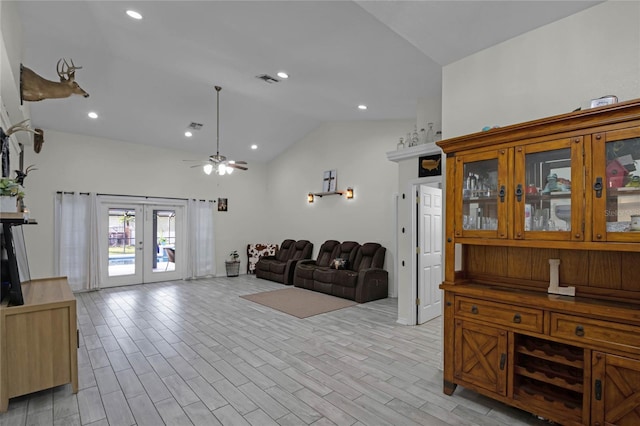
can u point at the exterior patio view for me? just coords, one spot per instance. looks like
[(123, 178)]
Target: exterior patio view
[(122, 241)]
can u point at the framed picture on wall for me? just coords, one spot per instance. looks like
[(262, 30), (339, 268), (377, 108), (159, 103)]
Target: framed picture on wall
[(430, 165), (222, 204)]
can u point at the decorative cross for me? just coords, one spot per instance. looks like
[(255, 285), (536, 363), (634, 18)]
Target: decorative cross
[(328, 180)]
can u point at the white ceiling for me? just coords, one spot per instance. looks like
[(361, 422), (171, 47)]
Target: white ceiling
[(149, 79)]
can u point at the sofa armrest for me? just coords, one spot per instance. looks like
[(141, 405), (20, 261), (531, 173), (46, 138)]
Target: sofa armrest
[(306, 262), (373, 284), (290, 269)]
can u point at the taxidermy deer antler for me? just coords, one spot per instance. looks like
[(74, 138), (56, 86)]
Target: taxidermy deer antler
[(22, 126), (20, 175), (35, 88)]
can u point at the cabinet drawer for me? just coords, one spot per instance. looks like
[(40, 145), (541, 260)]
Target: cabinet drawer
[(596, 333), (500, 313)]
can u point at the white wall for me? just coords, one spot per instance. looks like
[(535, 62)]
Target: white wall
[(70, 162), (551, 70), (357, 151)]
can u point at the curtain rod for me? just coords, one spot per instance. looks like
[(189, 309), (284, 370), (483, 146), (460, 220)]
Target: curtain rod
[(136, 196)]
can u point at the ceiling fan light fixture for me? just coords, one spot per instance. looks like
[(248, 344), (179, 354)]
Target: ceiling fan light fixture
[(207, 168), (222, 169), (283, 75)]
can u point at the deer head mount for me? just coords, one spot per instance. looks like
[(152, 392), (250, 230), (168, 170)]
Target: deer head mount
[(35, 88)]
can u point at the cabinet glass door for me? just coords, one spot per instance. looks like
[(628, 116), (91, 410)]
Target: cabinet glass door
[(548, 190), (481, 200), (616, 186)]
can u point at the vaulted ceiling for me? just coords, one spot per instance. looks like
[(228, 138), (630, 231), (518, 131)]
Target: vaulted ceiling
[(149, 79)]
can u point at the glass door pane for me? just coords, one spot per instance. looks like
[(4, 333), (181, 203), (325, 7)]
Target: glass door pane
[(122, 245), (548, 190), (617, 170), (163, 234), (482, 198), (479, 200)]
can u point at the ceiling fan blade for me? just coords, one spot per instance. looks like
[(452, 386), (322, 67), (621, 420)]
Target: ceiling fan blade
[(236, 166), (240, 162)]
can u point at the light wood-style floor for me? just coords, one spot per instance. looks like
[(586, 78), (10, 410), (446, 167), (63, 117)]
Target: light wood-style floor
[(182, 353)]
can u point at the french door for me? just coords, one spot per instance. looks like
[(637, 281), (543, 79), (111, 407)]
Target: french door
[(140, 242)]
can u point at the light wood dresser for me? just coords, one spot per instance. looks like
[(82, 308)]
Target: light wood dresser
[(38, 340)]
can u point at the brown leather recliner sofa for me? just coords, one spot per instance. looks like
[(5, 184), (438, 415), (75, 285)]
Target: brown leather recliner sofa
[(280, 267), (362, 278)]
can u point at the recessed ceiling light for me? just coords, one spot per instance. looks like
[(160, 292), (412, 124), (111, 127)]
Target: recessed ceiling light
[(254, 146), (133, 14), (283, 74), (92, 115), (362, 107), (188, 134)]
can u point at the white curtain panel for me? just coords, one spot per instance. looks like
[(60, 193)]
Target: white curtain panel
[(201, 247), (76, 240)]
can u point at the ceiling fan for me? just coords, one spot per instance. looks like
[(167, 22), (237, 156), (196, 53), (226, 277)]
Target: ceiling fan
[(218, 162)]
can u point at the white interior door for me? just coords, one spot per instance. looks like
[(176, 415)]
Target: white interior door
[(141, 243), (430, 253)]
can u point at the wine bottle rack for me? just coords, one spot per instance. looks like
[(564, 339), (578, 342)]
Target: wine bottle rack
[(550, 375)]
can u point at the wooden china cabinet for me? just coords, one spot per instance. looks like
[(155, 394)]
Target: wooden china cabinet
[(565, 187)]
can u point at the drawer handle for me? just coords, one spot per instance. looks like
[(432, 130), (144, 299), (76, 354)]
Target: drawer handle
[(502, 194), (517, 318), (579, 331), (503, 360), (474, 309)]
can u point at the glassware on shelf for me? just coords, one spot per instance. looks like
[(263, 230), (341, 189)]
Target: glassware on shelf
[(400, 144), (438, 136), (431, 137), (408, 140), (423, 137), (414, 136)]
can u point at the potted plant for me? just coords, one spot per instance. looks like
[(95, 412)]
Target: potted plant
[(233, 264), (10, 193)]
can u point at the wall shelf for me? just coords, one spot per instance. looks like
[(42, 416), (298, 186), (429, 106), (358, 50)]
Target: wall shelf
[(323, 194)]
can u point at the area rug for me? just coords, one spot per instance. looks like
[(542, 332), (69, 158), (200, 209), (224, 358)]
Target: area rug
[(299, 302)]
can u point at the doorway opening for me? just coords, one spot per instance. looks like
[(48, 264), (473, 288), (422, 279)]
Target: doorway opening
[(428, 238)]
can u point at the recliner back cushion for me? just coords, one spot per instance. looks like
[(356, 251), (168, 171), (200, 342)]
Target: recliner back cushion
[(370, 255), (285, 247), (348, 250), (301, 250), (327, 252)]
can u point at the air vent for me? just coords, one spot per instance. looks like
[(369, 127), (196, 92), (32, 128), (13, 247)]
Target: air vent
[(195, 126), (267, 78)]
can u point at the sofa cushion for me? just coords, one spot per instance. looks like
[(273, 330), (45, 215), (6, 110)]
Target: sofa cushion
[(348, 250), (324, 275), (370, 255), (345, 278), (301, 249), (326, 253), (283, 254)]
